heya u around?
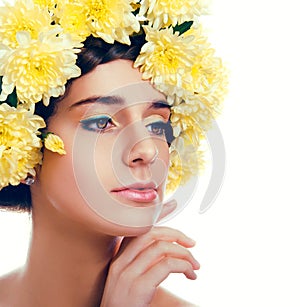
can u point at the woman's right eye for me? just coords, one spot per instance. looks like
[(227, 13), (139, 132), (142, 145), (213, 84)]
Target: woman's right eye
[(97, 123)]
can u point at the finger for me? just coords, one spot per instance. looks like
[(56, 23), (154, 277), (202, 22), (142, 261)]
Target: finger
[(158, 273), (168, 208), (131, 247), (155, 253)]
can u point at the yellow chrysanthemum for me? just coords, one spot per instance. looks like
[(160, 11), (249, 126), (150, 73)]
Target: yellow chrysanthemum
[(175, 172), (192, 114), (19, 144), (39, 68), (209, 76), (185, 69), (72, 17), (111, 20), (38, 41), (49, 4), (165, 57), (55, 144), (24, 15), (204, 82), (186, 161), (164, 13), (135, 5)]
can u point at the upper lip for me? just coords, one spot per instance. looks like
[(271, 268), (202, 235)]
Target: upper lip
[(137, 186)]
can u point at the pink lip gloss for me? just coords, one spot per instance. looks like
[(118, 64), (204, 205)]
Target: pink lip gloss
[(144, 195)]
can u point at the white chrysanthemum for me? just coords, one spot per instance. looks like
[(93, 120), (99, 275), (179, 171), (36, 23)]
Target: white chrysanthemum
[(39, 68), (164, 13), (19, 144)]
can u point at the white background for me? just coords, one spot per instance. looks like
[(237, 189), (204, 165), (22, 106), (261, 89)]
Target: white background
[(248, 241)]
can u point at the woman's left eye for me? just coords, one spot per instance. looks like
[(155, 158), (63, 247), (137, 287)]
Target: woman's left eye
[(97, 123), (158, 128)]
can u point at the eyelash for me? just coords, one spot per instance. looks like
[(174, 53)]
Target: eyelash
[(102, 120), (92, 124), (161, 126)]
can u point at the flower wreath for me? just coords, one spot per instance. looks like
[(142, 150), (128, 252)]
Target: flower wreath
[(40, 40)]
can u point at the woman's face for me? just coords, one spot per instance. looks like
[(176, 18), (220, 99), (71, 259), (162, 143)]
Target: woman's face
[(113, 126)]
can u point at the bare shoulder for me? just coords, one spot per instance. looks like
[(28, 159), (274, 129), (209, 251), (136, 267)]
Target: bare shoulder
[(164, 298)]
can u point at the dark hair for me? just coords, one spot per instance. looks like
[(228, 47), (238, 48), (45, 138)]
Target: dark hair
[(94, 52)]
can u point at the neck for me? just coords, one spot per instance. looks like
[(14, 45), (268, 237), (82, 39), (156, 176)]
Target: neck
[(66, 266)]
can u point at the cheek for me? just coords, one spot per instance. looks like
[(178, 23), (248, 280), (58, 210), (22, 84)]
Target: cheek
[(62, 191), (76, 185), (59, 173), (88, 173), (57, 178)]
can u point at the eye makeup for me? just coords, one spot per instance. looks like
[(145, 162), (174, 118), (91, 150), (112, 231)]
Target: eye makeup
[(157, 128), (157, 125), (98, 123)]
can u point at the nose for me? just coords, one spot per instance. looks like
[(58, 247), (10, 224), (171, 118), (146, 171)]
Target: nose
[(144, 152), (141, 149)]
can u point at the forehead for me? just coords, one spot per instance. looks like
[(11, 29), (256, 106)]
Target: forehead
[(116, 78)]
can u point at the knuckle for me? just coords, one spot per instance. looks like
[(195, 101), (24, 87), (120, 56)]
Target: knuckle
[(160, 245), (168, 248), (187, 265), (168, 262), (161, 248), (187, 253), (176, 265)]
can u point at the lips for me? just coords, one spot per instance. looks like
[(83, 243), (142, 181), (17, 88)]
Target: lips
[(138, 192)]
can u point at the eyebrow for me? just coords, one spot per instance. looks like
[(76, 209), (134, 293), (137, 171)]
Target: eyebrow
[(107, 100), (159, 104), (117, 100)]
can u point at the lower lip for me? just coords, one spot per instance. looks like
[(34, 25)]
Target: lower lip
[(142, 196)]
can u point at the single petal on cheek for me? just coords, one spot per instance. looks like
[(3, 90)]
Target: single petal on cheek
[(55, 144)]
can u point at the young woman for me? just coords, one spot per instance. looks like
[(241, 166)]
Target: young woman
[(94, 179)]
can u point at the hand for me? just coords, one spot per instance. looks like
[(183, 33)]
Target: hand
[(143, 262)]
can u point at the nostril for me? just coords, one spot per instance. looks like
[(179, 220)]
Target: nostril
[(137, 160), (143, 152)]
